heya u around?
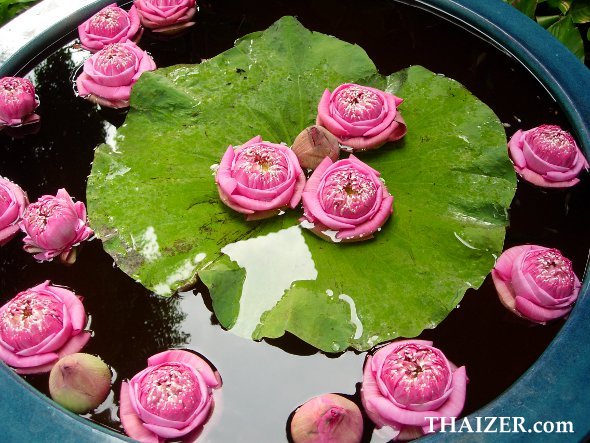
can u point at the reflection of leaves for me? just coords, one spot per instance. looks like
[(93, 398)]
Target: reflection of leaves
[(59, 155)]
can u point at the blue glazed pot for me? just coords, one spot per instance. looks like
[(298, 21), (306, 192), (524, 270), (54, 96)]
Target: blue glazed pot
[(554, 389)]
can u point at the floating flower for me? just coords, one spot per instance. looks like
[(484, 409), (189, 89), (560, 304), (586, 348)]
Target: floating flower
[(347, 198), (170, 398), (361, 117), (547, 156), (110, 74), (407, 381), (40, 325), (166, 16), (80, 382), (110, 25), (326, 419), (54, 226), (259, 178), (13, 202), (17, 102), (535, 282)]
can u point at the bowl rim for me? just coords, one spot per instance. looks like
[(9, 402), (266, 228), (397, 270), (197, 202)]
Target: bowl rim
[(552, 389)]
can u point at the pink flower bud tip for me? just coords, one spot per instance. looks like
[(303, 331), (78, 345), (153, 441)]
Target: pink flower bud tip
[(17, 102), (329, 418), (80, 382), (55, 225), (536, 283), (547, 156)]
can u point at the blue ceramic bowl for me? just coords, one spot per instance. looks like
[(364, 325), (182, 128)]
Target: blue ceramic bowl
[(555, 388)]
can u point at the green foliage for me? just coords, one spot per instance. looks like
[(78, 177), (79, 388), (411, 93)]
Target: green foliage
[(566, 20), (153, 201), (10, 8)]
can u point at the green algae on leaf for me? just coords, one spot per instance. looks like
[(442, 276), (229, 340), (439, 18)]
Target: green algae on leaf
[(152, 198)]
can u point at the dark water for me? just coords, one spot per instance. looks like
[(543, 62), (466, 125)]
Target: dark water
[(264, 382)]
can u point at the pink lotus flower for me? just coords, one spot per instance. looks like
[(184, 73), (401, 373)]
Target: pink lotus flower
[(110, 25), (13, 202), (547, 156), (535, 282), (407, 381), (110, 74), (166, 16), (346, 197), (361, 117), (329, 418), (54, 226), (259, 178), (39, 326), (17, 102), (170, 398)]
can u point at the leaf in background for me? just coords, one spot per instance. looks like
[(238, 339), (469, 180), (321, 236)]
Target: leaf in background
[(547, 20), (527, 7), (153, 201), (562, 5), (566, 32), (11, 8), (580, 12)]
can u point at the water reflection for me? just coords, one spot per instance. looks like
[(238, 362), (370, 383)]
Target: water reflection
[(273, 262), (262, 384)]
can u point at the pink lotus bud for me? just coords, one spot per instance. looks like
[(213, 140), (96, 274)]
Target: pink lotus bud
[(54, 226), (260, 178), (110, 25), (407, 381), (40, 325), (166, 16), (109, 75), (17, 102), (347, 198), (329, 418), (13, 202), (547, 156), (361, 117), (80, 382), (170, 398), (314, 144), (535, 282)]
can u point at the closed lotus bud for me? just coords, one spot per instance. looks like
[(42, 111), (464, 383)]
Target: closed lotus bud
[(314, 144), (329, 418), (80, 382)]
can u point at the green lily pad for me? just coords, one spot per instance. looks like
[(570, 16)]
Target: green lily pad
[(153, 201)]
